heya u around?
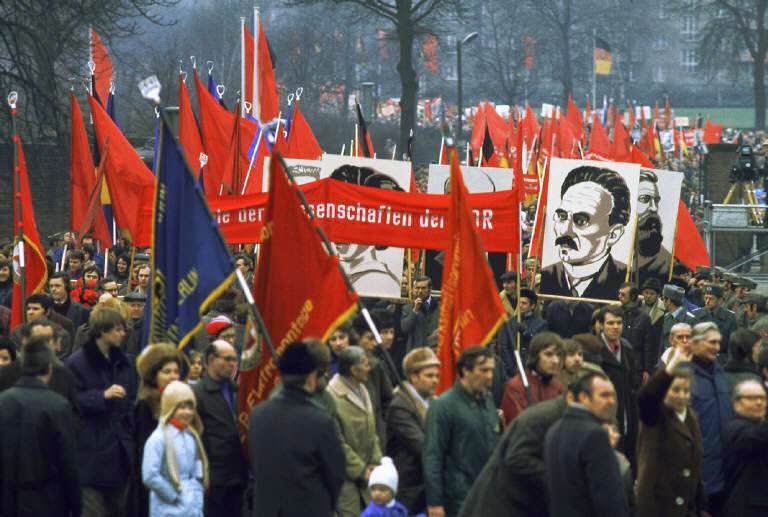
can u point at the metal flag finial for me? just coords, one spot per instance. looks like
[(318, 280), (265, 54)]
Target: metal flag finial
[(194, 62), (92, 66), (210, 65), (150, 88), (220, 89), (299, 92), (248, 106), (112, 87), (13, 97), (290, 98)]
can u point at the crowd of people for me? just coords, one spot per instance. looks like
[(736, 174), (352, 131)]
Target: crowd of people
[(652, 406)]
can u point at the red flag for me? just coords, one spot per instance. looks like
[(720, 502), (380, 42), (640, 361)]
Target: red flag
[(189, 133), (82, 178), (573, 116), (712, 132), (689, 246), (301, 140), (292, 261), (102, 73), (599, 145), (530, 127), (268, 103), (541, 209), (620, 146), (567, 140), (638, 156), (668, 114), (35, 266), (478, 130), (470, 308), (364, 142), (131, 184)]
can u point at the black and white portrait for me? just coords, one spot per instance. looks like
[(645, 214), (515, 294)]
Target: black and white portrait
[(477, 179), (657, 202), (374, 271), (589, 225)]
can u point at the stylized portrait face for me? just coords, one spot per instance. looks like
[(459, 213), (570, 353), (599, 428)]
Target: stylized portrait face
[(649, 236), (349, 252), (582, 228)]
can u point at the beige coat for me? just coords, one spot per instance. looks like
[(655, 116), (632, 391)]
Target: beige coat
[(357, 424)]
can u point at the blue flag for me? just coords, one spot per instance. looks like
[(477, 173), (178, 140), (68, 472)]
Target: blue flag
[(191, 265)]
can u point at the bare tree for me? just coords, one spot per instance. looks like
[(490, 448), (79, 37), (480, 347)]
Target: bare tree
[(732, 27), (409, 18)]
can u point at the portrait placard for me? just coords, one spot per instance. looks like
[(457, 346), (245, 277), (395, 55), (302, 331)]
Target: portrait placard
[(589, 228)]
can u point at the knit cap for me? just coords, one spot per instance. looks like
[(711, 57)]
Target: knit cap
[(385, 474), (218, 324), (174, 395)]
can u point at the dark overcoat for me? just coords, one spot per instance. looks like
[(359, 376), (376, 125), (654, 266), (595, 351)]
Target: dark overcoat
[(745, 451)]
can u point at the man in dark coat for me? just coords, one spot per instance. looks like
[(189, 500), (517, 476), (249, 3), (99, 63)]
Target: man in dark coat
[(216, 396), (61, 380), (406, 419), (715, 311), (419, 319), (38, 463), (512, 482), (60, 286), (637, 330), (745, 452), (295, 472), (106, 391), (619, 363), (581, 469), (530, 325)]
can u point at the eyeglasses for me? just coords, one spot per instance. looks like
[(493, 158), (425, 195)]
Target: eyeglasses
[(758, 398), (227, 358)]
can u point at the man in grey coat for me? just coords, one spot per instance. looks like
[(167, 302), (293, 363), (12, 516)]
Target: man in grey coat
[(420, 318)]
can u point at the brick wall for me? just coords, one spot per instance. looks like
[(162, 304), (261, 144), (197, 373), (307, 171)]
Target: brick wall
[(48, 166)]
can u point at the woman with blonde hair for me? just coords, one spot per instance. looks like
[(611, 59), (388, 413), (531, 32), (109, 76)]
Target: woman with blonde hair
[(175, 466)]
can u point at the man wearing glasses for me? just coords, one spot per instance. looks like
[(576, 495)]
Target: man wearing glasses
[(745, 442), (216, 395)]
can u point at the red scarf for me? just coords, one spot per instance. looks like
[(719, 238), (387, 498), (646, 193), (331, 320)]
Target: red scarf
[(178, 425)]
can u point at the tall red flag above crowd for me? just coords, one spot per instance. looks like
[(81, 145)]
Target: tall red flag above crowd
[(26, 236), (189, 133), (470, 308), (82, 178), (315, 298), (259, 70), (102, 68)]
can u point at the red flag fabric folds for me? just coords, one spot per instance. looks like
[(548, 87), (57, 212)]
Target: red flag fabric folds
[(268, 102), (82, 177), (314, 298), (470, 308), (301, 140), (36, 270), (131, 184), (689, 246), (189, 133), (102, 74), (599, 145)]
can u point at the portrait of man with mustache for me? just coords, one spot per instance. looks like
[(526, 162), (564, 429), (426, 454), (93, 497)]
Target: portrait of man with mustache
[(653, 260), (594, 210)]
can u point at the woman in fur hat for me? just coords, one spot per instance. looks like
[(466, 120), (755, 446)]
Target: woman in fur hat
[(175, 466), (158, 365)]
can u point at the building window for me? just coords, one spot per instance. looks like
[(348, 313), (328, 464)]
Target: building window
[(689, 60), (660, 43), (658, 74), (690, 27), (448, 70)]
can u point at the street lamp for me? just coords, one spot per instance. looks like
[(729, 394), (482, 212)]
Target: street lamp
[(467, 39)]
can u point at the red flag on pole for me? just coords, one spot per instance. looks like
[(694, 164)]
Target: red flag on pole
[(24, 225), (102, 73), (82, 178), (470, 308), (599, 145), (189, 133), (621, 142), (293, 261), (574, 117), (267, 106), (301, 140), (689, 246), (131, 184)]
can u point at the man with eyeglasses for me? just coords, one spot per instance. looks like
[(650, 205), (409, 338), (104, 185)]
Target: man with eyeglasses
[(216, 395), (673, 297), (679, 337), (745, 451), (711, 401)]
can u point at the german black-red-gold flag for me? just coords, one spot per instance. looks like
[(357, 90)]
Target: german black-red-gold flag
[(299, 288), (35, 267), (470, 308), (603, 57)]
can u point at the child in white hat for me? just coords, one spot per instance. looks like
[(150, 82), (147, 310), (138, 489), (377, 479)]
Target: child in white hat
[(382, 485), (175, 466)]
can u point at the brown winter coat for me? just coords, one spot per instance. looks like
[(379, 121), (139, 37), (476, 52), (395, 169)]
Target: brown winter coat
[(669, 455)]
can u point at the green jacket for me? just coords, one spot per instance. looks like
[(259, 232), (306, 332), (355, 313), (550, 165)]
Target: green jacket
[(460, 435)]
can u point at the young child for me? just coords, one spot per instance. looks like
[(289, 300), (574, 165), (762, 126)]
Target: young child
[(195, 367), (382, 484), (175, 466)]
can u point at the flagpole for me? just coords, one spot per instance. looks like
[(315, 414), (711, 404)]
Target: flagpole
[(12, 98), (331, 249), (594, 66), (256, 39), (242, 66)]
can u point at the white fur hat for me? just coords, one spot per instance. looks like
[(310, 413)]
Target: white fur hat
[(385, 474)]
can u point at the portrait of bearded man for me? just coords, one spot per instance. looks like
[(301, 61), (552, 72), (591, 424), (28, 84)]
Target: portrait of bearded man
[(653, 259)]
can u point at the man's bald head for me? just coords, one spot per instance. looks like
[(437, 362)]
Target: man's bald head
[(220, 360)]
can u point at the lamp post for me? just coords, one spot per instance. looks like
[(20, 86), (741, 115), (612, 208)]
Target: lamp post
[(467, 39)]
